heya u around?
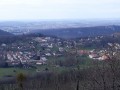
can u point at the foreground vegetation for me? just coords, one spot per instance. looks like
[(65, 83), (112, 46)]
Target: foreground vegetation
[(102, 75)]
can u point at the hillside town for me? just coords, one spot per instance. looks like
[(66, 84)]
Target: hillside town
[(37, 50)]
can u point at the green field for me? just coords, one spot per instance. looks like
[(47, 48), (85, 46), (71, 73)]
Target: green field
[(14, 71)]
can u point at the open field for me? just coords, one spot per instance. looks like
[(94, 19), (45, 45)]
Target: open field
[(8, 72)]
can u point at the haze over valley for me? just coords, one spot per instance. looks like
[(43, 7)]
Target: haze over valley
[(62, 28)]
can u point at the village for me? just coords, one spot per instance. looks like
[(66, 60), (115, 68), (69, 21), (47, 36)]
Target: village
[(37, 50)]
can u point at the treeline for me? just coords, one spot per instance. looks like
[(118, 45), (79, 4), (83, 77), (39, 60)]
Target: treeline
[(15, 38)]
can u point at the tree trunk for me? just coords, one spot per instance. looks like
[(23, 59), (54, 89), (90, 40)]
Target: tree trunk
[(77, 88)]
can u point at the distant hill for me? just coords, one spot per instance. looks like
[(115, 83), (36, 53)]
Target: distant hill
[(4, 33), (80, 32)]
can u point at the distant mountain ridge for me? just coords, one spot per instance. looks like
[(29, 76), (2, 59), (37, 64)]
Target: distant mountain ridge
[(80, 32)]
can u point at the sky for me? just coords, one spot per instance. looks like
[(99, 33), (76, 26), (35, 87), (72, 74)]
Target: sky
[(59, 9)]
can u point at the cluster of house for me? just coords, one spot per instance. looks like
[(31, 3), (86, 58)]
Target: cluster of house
[(21, 56), (99, 55), (114, 45), (93, 54), (38, 49), (25, 53), (104, 54)]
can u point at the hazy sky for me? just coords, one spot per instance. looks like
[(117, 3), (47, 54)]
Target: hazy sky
[(58, 9)]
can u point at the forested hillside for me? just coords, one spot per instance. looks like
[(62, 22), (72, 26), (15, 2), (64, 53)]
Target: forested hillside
[(80, 32)]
